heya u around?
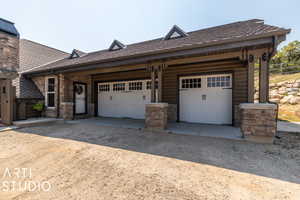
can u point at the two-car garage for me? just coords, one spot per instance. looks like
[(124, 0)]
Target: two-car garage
[(202, 98)]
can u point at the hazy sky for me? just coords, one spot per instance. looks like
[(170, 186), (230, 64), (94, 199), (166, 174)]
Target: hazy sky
[(91, 25)]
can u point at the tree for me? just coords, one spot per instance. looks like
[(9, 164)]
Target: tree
[(287, 55)]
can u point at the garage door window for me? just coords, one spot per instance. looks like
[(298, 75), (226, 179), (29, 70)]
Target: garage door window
[(218, 81), (191, 83), (119, 87), (104, 88), (135, 85)]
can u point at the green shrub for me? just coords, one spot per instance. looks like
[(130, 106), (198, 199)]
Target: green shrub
[(39, 106)]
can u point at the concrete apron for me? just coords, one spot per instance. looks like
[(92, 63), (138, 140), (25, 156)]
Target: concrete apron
[(207, 130)]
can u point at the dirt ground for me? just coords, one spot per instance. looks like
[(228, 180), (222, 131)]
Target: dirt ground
[(89, 162)]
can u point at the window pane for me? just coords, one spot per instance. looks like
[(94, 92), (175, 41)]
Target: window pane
[(51, 100), (51, 84)]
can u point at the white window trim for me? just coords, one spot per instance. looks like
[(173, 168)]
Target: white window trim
[(46, 92)]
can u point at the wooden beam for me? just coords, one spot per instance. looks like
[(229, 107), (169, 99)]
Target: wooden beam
[(159, 74), (264, 78), (251, 63), (153, 96)]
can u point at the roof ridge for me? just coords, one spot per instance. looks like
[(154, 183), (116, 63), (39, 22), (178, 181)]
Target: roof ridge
[(45, 45), (204, 29)]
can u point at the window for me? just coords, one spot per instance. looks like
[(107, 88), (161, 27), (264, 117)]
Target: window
[(119, 87), (135, 85), (104, 88), (149, 85), (191, 83), (50, 92), (218, 81)]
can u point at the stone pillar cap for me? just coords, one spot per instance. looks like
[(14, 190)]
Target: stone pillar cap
[(157, 105), (257, 106)]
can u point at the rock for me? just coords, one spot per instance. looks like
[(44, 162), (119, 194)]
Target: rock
[(294, 100), (282, 89), (295, 89), (275, 100), (275, 96), (292, 93), (298, 94), (282, 92), (286, 99), (296, 85), (297, 81), (280, 84), (272, 85), (289, 85), (289, 89)]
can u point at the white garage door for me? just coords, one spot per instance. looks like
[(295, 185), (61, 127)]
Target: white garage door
[(206, 99), (124, 98)]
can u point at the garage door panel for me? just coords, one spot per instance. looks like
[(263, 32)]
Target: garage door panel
[(207, 102), (124, 102)]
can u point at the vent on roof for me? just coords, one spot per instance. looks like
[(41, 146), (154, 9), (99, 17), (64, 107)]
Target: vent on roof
[(76, 54), (116, 45), (175, 32)]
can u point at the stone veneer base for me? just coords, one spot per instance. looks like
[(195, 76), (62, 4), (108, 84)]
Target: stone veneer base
[(156, 116), (258, 119)]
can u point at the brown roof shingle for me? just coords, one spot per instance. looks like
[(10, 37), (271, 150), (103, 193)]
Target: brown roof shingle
[(33, 55), (205, 37)]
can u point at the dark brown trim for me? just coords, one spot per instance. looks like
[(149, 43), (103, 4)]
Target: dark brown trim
[(74, 99), (203, 74)]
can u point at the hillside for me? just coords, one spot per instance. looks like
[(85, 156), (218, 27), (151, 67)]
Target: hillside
[(285, 90)]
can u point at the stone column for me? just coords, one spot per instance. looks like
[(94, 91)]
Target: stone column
[(156, 116), (258, 119), (67, 110)]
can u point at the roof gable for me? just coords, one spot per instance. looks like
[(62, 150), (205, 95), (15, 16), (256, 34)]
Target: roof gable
[(116, 45), (175, 32), (74, 54)]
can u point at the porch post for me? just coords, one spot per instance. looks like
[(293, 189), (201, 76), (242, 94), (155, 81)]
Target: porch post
[(159, 84), (264, 78), (153, 93), (251, 63)]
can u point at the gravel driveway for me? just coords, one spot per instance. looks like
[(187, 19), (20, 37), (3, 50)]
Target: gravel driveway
[(86, 161)]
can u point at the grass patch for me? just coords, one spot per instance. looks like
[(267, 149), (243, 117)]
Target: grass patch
[(276, 78), (287, 113)]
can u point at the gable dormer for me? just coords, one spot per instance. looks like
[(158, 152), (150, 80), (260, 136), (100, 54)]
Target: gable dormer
[(76, 54), (116, 45), (175, 32)]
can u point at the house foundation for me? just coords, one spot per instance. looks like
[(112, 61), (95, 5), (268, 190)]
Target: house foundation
[(258, 119)]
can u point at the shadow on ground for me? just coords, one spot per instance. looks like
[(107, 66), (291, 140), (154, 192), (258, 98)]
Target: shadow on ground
[(260, 159)]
